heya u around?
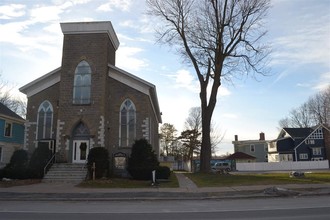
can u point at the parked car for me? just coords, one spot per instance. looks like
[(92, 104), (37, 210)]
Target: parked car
[(221, 167)]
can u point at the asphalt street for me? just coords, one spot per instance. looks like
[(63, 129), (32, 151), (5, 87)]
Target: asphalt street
[(270, 208)]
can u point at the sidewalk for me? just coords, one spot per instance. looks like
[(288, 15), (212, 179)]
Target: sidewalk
[(187, 190)]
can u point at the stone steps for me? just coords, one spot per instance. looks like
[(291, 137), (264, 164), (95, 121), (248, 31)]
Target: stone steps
[(68, 173)]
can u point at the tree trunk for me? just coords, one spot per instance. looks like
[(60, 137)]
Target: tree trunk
[(205, 157)]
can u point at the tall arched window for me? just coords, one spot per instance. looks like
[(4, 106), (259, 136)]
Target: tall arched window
[(127, 124), (82, 84), (45, 120)]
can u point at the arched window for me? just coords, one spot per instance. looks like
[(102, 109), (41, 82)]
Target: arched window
[(82, 84), (45, 120), (127, 124)]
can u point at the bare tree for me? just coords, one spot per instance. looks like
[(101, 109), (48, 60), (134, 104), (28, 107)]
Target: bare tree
[(219, 39), (313, 112), (168, 139), (15, 104), (319, 107)]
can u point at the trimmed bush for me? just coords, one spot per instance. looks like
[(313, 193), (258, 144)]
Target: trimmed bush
[(17, 167), (38, 161), (19, 159), (99, 156), (142, 161), (163, 172)]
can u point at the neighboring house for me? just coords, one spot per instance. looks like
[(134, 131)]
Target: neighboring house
[(255, 148), (11, 134), (300, 144), (89, 102), (240, 157)]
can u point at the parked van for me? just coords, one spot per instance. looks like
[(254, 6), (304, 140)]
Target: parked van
[(221, 167)]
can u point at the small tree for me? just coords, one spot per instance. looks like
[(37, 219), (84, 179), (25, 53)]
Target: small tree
[(168, 139), (142, 161), (99, 156)]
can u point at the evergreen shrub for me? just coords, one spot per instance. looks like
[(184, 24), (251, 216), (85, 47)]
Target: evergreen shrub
[(142, 160), (99, 156)]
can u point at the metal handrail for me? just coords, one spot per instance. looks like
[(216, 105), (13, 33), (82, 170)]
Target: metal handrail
[(49, 163)]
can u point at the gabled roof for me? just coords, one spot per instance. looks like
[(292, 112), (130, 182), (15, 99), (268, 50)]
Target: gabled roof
[(239, 155), (5, 112), (295, 133), (313, 130), (41, 83)]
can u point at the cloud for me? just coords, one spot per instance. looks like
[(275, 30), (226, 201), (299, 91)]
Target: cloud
[(126, 58), (323, 82), (111, 5), (11, 11), (307, 43)]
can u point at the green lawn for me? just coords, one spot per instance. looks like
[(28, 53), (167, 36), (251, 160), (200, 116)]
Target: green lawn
[(214, 180), (128, 183)]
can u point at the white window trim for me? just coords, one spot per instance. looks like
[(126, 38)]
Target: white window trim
[(127, 127), (252, 146), (44, 123), (79, 100), (317, 151), (303, 156), (11, 129)]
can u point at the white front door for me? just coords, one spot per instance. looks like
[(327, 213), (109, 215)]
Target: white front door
[(80, 151)]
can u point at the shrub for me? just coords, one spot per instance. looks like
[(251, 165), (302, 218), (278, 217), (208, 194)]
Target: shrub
[(163, 172), (19, 159), (39, 159), (99, 156), (17, 167), (142, 161)]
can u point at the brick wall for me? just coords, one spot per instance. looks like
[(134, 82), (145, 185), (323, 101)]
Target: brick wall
[(52, 95), (101, 116)]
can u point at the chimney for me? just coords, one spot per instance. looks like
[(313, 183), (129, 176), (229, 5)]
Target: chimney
[(236, 137), (262, 136)]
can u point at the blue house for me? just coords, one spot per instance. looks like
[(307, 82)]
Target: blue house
[(300, 144), (11, 133)]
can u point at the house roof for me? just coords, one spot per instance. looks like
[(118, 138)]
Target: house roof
[(296, 132), (42, 83), (5, 112), (239, 155)]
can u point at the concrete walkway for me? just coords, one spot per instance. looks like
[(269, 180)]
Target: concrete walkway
[(185, 182)]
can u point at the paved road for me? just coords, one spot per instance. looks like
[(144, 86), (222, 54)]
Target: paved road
[(271, 208)]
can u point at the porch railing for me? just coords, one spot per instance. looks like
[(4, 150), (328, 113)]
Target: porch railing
[(49, 164)]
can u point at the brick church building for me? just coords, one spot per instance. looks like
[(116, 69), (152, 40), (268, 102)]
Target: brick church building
[(89, 102)]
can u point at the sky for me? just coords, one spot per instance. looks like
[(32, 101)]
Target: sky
[(298, 31)]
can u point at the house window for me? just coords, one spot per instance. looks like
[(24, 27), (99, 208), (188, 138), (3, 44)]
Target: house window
[(310, 141), (127, 123), (286, 157), (303, 156), (252, 148), (45, 120), (8, 129), (82, 84), (266, 148), (317, 151), (318, 134), (1, 153)]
